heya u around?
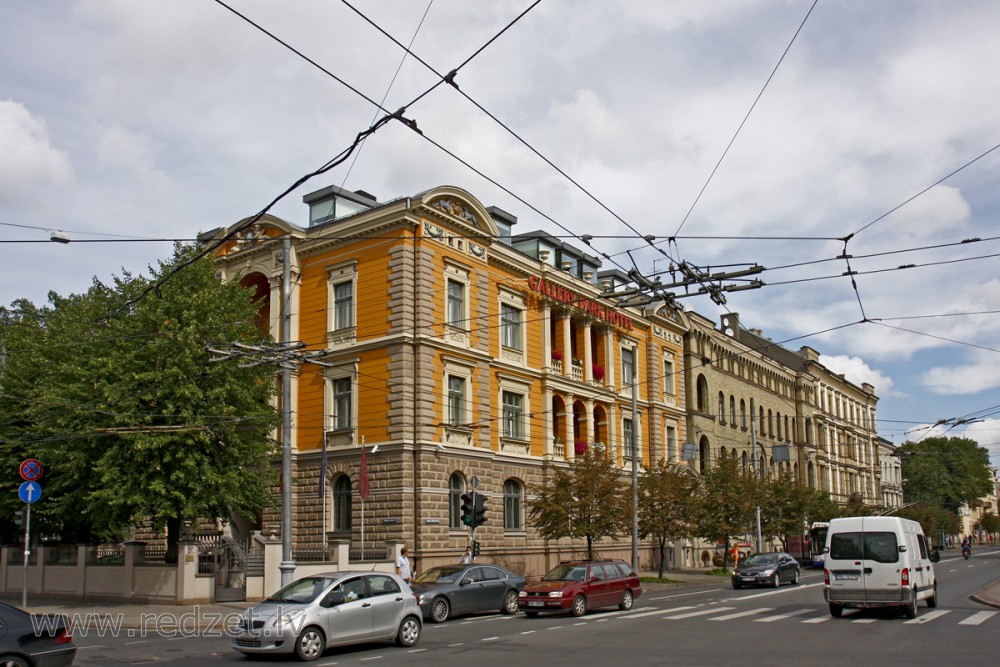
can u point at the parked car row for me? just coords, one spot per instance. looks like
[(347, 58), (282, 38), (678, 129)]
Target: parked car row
[(318, 612)]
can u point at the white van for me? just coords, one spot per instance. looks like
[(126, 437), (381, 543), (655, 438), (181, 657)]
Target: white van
[(878, 561)]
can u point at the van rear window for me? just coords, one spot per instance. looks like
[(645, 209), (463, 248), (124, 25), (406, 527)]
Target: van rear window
[(877, 546)]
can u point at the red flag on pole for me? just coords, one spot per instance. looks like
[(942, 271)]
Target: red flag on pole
[(363, 489)]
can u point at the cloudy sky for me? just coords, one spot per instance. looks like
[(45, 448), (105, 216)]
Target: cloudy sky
[(770, 132)]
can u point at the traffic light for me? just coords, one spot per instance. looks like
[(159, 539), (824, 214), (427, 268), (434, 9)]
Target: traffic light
[(475, 548), (467, 509), (479, 511)]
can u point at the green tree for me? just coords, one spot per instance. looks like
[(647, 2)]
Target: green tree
[(788, 507), (945, 471), (728, 502), (588, 500), (126, 411), (667, 508), (991, 523)]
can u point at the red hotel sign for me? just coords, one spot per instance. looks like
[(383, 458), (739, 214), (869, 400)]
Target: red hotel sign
[(564, 295)]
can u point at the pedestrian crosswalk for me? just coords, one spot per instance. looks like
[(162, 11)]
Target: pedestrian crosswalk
[(808, 615)]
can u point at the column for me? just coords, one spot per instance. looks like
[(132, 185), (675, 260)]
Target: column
[(568, 427), (546, 335), (547, 430), (588, 356), (567, 346)]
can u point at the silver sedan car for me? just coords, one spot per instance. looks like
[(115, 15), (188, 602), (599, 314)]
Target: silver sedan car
[(314, 613)]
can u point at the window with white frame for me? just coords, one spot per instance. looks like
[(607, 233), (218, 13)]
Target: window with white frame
[(628, 439), (671, 442), (510, 326), (628, 366), (668, 377), (456, 400), (513, 505), (343, 401), (343, 305), (456, 304), (513, 415)]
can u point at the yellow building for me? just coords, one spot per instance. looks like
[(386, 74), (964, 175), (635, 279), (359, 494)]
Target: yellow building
[(461, 350)]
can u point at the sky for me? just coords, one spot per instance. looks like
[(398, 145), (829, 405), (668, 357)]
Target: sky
[(812, 139)]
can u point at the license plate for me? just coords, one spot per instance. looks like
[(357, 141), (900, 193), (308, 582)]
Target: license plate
[(749, 578), (535, 603), (846, 577)]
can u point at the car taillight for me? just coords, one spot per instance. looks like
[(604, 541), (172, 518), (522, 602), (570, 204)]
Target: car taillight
[(905, 579), (65, 636), (826, 577)]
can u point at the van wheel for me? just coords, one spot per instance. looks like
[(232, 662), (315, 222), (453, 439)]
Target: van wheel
[(911, 608), (836, 610), (932, 600)]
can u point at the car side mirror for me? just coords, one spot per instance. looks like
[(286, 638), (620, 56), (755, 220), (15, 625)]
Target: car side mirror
[(935, 556), (334, 599), (826, 550), (902, 548)]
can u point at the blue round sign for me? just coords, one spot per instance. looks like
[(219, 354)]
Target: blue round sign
[(29, 492)]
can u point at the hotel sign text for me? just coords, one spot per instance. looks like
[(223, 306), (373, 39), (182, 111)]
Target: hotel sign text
[(591, 307)]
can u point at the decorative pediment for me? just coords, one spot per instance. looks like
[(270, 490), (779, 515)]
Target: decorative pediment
[(457, 209)]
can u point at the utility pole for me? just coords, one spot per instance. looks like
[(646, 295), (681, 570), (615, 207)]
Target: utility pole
[(757, 465)]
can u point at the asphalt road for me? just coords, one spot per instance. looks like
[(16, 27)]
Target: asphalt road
[(710, 625)]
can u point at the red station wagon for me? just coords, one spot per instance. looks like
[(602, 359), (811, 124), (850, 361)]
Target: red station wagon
[(577, 586)]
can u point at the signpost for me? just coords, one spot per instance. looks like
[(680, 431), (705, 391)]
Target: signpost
[(30, 491)]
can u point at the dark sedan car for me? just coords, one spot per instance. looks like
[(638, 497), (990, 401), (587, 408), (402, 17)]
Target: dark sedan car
[(449, 590), (41, 640), (766, 570)]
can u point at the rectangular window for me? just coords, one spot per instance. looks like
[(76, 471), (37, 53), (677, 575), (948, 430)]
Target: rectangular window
[(456, 304), (671, 443), (343, 306), (668, 377), (513, 415), (342, 418), (628, 367), (510, 326), (456, 400), (628, 438)]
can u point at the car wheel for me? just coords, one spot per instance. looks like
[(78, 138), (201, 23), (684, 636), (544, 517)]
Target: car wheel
[(932, 600), (310, 644), (776, 580), (440, 610), (836, 610), (795, 577), (579, 605), (531, 614), (737, 585), (409, 632), (509, 603), (911, 608), (626, 602), (13, 661)]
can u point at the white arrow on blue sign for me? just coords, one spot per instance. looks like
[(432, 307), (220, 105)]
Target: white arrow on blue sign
[(29, 492)]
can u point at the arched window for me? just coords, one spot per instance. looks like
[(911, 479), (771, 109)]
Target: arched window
[(779, 426), (513, 505), (722, 408), (342, 503), (743, 414), (702, 396), (456, 487), (705, 455), (732, 410)]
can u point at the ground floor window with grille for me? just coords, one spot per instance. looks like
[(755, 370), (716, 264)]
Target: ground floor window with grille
[(342, 503), (456, 487)]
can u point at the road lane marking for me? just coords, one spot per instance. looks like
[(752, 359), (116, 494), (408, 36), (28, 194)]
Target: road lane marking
[(741, 614), (864, 620), (776, 591), (529, 632), (978, 618), (692, 614), (778, 617), (929, 616), (654, 612), (818, 619)]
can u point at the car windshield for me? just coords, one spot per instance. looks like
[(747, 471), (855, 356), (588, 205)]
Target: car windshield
[(440, 575), (302, 591), (762, 559), (567, 573)]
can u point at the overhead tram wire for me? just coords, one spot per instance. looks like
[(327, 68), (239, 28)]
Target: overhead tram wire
[(745, 118)]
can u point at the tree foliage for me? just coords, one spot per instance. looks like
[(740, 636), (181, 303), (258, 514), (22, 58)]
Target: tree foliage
[(728, 502), (588, 500), (126, 412), (946, 472), (788, 507), (667, 505)]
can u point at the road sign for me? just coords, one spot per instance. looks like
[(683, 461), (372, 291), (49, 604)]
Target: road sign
[(30, 470), (29, 492)]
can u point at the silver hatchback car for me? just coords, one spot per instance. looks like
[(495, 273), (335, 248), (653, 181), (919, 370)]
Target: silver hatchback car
[(314, 613)]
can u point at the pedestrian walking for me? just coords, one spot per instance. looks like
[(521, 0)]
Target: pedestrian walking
[(467, 556), (403, 568)]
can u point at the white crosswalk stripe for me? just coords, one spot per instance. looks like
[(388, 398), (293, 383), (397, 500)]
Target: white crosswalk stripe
[(741, 614), (929, 616), (692, 614), (654, 613), (778, 617), (978, 618)]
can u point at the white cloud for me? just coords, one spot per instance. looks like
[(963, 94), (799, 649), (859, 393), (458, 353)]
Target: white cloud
[(856, 370), (981, 373), (30, 162)]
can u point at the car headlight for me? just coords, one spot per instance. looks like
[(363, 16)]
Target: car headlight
[(555, 594), (522, 594), (768, 572), (287, 618)]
